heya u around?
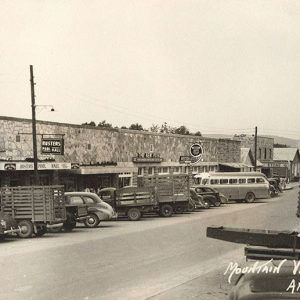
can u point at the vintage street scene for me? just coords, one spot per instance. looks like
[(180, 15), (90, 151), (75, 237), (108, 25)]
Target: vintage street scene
[(150, 150)]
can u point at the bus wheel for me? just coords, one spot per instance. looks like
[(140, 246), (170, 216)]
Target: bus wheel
[(250, 197)]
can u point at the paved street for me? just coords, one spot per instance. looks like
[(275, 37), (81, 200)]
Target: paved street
[(155, 258)]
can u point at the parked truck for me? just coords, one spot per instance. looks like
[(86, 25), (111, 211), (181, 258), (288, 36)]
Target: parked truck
[(172, 192), (132, 202), (32, 209)]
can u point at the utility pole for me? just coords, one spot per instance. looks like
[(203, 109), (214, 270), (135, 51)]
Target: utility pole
[(35, 159), (255, 148)]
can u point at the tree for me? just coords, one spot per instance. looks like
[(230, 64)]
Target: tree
[(182, 130), (136, 126), (124, 127), (92, 123), (104, 124), (154, 128), (198, 133), (165, 128)]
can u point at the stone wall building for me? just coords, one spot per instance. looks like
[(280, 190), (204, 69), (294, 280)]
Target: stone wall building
[(97, 157)]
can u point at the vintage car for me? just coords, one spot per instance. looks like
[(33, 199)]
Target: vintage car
[(97, 209), (209, 195), (269, 284)]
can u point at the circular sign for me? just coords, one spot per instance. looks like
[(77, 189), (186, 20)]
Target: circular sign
[(196, 150)]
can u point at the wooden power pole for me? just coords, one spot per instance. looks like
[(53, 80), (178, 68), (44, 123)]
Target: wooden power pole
[(255, 149), (35, 159)]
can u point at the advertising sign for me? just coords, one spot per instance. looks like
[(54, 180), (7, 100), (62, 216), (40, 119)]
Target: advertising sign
[(53, 146), (27, 166), (196, 150)]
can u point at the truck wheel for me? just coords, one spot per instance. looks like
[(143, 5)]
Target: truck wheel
[(217, 203), (166, 210), (92, 221), (134, 214), (179, 210), (41, 231), (26, 229), (250, 197), (191, 207), (70, 223)]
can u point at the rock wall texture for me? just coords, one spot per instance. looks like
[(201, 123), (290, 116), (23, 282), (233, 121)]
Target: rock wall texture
[(84, 144)]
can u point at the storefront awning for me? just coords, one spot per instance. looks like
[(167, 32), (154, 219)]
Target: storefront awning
[(103, 170), (234, 165)]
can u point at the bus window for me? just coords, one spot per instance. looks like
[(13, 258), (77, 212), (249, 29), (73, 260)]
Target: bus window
[(233, 181), (223, 181), (214, 181), (242, 180), (251, 180), (260, 180), (204, 181), (197, 180)]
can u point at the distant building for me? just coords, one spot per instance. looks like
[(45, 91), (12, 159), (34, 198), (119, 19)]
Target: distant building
[(265, 150), (287, 163)]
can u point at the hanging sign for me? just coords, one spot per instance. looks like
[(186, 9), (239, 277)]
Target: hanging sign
[(52, 146)]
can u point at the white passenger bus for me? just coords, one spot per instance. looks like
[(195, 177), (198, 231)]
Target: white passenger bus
[(239, 186)]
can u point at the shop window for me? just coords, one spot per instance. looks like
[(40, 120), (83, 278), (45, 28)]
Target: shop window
[(124, 181), (163, 170), (177, 170), (140, 171), (150, 171)]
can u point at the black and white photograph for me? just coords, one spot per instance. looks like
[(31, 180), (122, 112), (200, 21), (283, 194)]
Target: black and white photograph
[(149, 149)]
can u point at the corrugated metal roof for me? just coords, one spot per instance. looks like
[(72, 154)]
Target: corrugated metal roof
[(287, 154)]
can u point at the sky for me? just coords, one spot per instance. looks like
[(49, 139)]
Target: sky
[(218, 67)]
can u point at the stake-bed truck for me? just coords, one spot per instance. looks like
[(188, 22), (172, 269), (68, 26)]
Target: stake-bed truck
[(33, 208), (172, 192)]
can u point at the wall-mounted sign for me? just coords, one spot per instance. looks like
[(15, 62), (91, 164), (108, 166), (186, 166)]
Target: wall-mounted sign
[(52, 146), (27, 166), (196, 150), (188, 159), (147, 158)]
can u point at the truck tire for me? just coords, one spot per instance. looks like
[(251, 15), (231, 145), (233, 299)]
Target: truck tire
[(166, 210), (250, 197), (26, 229), (92, 221), (134, 214), (217, 203), (70, 223), (179, 210), (191, 207)]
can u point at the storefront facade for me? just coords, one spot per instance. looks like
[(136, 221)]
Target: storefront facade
[(93, 157)]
